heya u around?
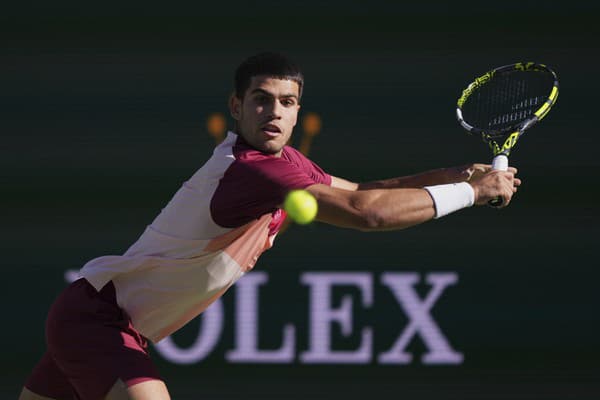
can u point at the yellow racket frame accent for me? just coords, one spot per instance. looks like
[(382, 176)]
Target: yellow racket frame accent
[(508, 144), (541, 113)]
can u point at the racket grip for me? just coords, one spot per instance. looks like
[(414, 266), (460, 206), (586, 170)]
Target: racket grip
[(499, 163)]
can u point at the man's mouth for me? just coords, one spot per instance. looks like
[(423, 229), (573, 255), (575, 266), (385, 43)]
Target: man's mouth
[(271, 130)]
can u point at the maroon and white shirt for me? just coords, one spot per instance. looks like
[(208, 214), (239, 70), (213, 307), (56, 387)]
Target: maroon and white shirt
[(212, 231)]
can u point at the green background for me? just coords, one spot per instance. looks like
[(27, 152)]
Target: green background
[(102, 117)]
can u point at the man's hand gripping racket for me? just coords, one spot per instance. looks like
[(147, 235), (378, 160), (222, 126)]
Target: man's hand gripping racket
[(503, 103)]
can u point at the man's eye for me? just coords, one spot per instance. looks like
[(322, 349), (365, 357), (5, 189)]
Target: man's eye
[(288, 102)]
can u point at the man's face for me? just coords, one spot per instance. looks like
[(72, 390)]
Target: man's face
[(267, 114)]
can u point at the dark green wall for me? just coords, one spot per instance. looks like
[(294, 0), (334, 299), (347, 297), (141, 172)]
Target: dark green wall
[(102, 112)]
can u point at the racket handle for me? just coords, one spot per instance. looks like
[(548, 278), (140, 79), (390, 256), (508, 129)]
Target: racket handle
[(499, 163)]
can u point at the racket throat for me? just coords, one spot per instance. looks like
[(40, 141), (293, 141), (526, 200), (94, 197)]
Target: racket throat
[(506, 146)]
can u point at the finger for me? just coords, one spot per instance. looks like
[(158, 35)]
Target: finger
[(509, 176), (513, 170), (517, 182), (507, 197)]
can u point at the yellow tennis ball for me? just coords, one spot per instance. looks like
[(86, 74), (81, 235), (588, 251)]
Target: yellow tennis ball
[(301, 206)]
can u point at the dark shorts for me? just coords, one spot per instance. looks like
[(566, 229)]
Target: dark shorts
[(91, 344)]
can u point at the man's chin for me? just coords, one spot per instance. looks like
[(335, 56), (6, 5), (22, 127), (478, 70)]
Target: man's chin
[(272, 146), (272, 149), (267, 146)]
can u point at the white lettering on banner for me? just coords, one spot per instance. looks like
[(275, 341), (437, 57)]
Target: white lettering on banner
[(322, 316), (402, 286), (246, 326)]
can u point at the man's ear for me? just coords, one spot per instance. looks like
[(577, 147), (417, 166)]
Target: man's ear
[(235, 106), (297, 111)]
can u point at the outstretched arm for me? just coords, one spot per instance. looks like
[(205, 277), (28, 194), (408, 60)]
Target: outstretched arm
[(347, 205)]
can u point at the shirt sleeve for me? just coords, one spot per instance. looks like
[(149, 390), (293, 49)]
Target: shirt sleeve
[(311, 169), (252, 188)]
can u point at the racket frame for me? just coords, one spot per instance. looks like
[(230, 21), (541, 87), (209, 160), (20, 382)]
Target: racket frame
[(502, 141)]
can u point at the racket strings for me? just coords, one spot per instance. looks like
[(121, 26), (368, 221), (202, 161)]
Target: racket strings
[(506, 101)]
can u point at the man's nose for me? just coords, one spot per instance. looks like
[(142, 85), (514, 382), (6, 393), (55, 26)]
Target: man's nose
[(274, 110)]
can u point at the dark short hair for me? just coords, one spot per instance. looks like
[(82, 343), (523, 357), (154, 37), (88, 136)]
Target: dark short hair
[(273, 65)]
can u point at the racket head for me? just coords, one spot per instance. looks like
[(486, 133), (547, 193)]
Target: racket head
[(501, 104)]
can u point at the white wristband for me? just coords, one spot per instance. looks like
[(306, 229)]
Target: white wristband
[(451, 197)]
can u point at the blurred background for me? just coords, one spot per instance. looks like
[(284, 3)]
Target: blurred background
[(103, 115)]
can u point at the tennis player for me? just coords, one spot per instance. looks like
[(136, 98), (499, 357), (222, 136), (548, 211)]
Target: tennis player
[(213, 231)]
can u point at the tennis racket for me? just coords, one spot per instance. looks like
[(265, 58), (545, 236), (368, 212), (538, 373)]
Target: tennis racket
[(500, 105)]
